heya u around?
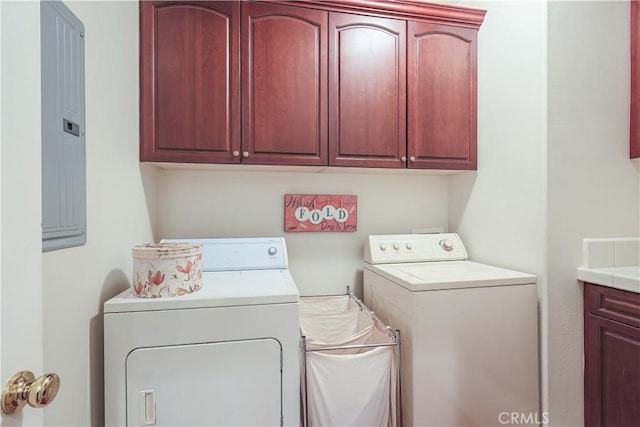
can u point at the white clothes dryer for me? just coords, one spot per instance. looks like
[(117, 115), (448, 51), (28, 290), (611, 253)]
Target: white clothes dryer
[(469, 330), (227, 354)]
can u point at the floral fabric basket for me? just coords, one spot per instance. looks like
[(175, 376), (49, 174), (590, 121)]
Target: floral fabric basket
[(166, 269)]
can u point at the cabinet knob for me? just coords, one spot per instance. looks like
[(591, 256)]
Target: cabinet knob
[(403, 158), (25, 388), (412, 158), (245, 154), (236, 154)]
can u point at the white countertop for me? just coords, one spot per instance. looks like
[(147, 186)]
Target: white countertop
[(611, 262), (625, 278)]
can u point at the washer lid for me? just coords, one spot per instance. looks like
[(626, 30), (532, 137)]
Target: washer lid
[(428, 276), (219, 289)]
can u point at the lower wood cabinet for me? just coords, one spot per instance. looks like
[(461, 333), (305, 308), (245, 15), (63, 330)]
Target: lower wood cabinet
[(612, 357)]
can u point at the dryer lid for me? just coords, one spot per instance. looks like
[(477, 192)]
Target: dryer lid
[(219, 289)]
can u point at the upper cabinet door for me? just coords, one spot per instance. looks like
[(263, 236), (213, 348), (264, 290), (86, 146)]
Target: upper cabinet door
[(442, 96), (284, 85), (367, 91), (189, 76)]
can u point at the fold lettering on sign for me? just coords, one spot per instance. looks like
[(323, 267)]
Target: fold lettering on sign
[(320, 212)]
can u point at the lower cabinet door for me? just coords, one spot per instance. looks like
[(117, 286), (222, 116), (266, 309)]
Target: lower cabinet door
[(612, 374), (234, 383)]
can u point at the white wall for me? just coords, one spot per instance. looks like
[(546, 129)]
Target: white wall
[(500, 211), (593, 186), (77, 281), (21, 264), (1, 186), (553, 163), (251, 203)]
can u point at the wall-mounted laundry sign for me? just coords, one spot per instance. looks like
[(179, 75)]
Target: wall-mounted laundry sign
[(320, 212)]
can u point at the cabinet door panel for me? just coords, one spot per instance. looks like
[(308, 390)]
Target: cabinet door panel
[(189, 81), (442, 96), (367, 91), (612, 373), (284, 85)]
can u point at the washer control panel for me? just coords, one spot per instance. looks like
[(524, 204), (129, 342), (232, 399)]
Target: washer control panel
[(397, 248)]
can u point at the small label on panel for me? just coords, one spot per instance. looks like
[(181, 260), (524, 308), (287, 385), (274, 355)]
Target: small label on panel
[(71, 127), (320, 212)]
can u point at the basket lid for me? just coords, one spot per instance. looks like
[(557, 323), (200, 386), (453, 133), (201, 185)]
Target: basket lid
[(166, 250)]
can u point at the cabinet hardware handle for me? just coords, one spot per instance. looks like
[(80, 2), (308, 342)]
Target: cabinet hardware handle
[(245, 154), (412, 158), (236, 154), (404, 158), (25, 388)]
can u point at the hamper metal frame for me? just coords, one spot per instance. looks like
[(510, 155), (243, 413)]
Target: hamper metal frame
[(391, 333)]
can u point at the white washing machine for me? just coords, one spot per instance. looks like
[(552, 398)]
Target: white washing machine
[(469, 331), (225, 355)]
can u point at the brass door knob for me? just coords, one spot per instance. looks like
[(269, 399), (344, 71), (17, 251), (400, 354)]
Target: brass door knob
[(24, 388)]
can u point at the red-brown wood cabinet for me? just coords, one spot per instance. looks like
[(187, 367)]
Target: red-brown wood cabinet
[(367, 91), (442, 96), (284, 85), (612, 357), (343, 83), (189, 81)]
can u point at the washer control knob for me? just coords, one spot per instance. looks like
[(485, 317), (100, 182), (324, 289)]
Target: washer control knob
[(272, 251), (446, 245), (409, 246), (396, 246), (383, 246)]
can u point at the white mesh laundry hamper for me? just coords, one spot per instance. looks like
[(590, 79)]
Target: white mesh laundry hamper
[(350, 363)]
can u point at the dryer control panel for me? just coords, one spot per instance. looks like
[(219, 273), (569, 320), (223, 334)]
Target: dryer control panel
[(241, 253), (397, 248)]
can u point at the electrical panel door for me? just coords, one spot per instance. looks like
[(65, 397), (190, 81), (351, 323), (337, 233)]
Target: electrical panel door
[(63, 128)]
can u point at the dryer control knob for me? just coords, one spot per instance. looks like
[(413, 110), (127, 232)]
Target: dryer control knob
[(446, 245), (383, 247), (409, 246), (272, 251), (396, 246)]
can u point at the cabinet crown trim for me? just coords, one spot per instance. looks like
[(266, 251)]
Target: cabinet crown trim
[(414, 10)]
